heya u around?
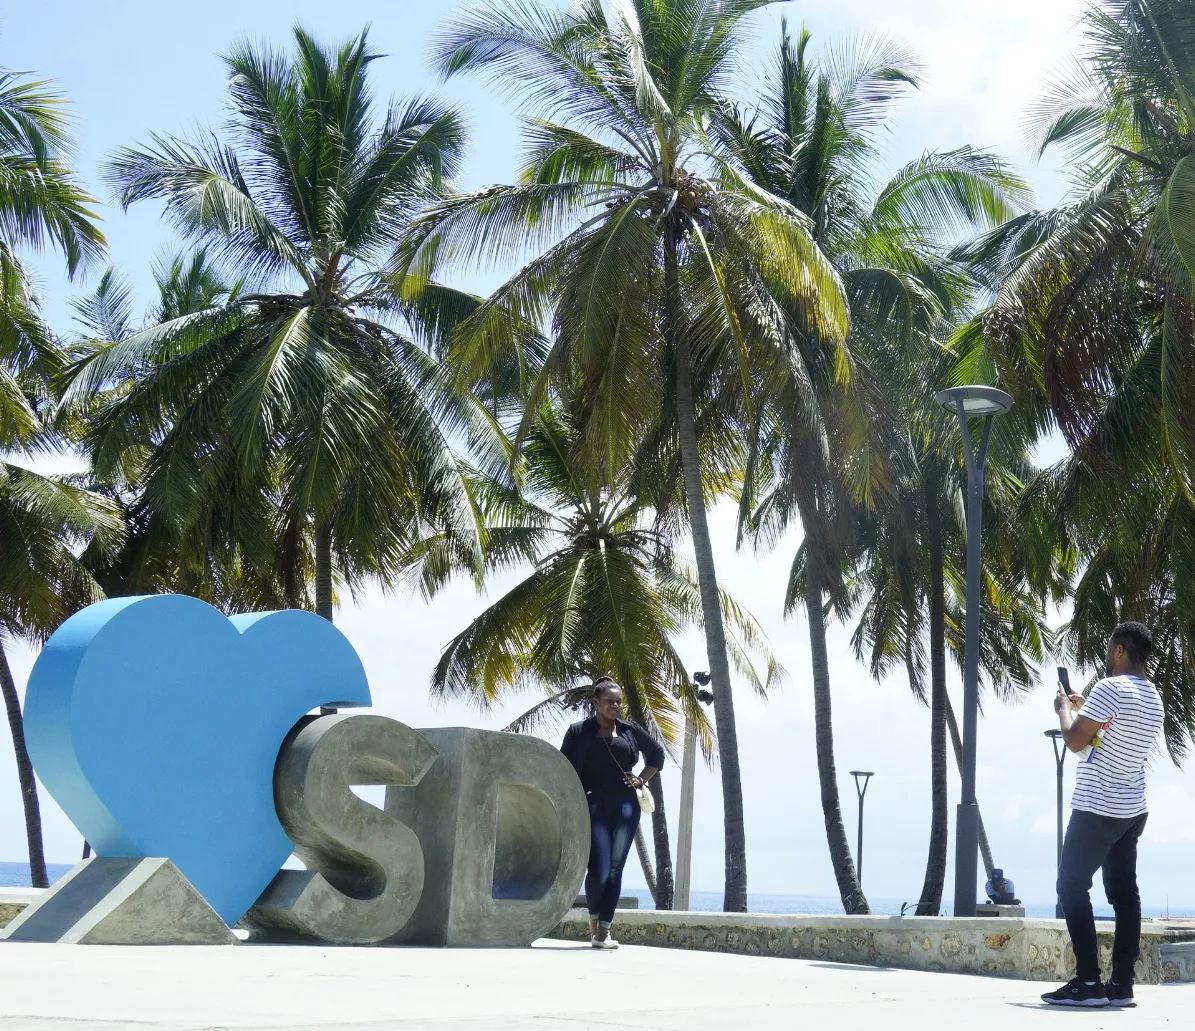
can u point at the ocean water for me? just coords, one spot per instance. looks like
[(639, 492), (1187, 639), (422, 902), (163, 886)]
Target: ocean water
[(16, 875), (817, 905)]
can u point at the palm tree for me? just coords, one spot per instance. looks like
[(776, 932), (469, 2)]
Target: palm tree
[(606, 597), (812, 141), (296, 413), (1093, 325), (214, 559), (42, 203), (656, 280), (41, 518)]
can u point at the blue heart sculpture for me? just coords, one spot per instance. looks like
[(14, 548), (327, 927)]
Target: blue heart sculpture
[(155, 723)]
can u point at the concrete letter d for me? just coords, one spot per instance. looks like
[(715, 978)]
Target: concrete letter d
[(505, 831)]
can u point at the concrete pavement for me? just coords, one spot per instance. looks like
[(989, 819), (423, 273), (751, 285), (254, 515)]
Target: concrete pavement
[(555, 985)]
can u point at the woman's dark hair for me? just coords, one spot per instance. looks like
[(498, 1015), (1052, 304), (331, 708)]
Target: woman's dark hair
[(1136, 639), (604, 685)]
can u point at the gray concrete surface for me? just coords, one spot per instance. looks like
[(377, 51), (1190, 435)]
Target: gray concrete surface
[(504, 827), (555, 985), (120, 902)]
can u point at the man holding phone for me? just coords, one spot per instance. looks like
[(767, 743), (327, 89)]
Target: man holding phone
[(1114, 728)]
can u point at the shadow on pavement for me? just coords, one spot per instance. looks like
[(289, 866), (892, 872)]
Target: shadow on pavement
[(865, 967), (1068, 1009)]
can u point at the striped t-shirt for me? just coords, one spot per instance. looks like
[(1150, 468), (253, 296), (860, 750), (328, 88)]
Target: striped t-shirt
[(1110, 780)]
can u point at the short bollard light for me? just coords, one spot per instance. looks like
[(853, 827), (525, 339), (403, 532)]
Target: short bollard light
[(862, 779)]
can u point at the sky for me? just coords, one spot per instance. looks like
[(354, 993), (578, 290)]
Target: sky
[(132, 68)]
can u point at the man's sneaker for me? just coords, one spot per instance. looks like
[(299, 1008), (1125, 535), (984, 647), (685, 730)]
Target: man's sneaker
[(605, 944), (1077, 993), (1120, 994)]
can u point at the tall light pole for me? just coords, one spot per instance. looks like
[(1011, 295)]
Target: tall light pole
[(1059, 760), (862, 779), (684, 835), (971, 403)]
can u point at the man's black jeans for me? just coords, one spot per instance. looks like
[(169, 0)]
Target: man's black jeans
[(1092, 842)]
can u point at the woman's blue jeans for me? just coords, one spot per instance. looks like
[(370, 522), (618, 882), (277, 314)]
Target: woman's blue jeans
[(613, 821)]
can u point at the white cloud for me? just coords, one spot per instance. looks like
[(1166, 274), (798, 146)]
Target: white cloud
[(984, 65)]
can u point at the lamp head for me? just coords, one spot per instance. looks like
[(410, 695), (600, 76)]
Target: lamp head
[(974, 402)]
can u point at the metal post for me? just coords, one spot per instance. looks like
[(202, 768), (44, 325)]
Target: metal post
[(1059, 762), (861, 791), (684, 840), (966, 859), (972, 402)]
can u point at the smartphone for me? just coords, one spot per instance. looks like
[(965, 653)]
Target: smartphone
[(1064, 682)]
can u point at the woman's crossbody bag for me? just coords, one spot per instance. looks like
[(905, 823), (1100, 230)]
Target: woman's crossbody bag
[(646, 803)]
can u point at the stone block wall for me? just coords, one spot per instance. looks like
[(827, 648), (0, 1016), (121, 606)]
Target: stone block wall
[(13, 902), (1178, 961), (1036, 950)]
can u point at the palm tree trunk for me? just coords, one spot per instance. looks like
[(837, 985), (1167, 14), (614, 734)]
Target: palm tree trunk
[(930, 903), (37, 853), (665, 890), (323, 585), (323, 572), (735, 836), (665, 877), (649, 874), (853, 900), (985, 848)]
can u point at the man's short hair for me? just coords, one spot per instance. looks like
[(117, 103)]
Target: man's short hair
[(1136, 639)]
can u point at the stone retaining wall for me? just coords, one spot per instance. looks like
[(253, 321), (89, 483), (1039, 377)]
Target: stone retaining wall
[(13, 901), (1035, 950), (1178, 961)]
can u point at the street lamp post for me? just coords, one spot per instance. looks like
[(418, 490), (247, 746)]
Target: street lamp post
[(971, 403), (684, 835), (1059, 760), (862, 779)]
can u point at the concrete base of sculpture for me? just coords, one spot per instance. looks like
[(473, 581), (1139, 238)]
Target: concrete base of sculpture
[(276, 916), (505, 832), (121, 902)]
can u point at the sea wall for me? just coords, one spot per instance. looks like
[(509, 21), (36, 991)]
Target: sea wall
[(14, 900), (1034, 950)]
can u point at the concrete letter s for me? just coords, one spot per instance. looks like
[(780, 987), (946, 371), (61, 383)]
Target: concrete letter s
[(365, 868)]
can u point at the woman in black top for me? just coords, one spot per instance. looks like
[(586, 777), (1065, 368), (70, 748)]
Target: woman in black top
[(605, 750)]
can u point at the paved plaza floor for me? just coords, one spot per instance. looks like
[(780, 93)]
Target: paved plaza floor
[(555, 985)]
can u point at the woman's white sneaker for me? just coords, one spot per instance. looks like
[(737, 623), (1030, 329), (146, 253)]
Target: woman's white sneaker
[(606, 944)]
